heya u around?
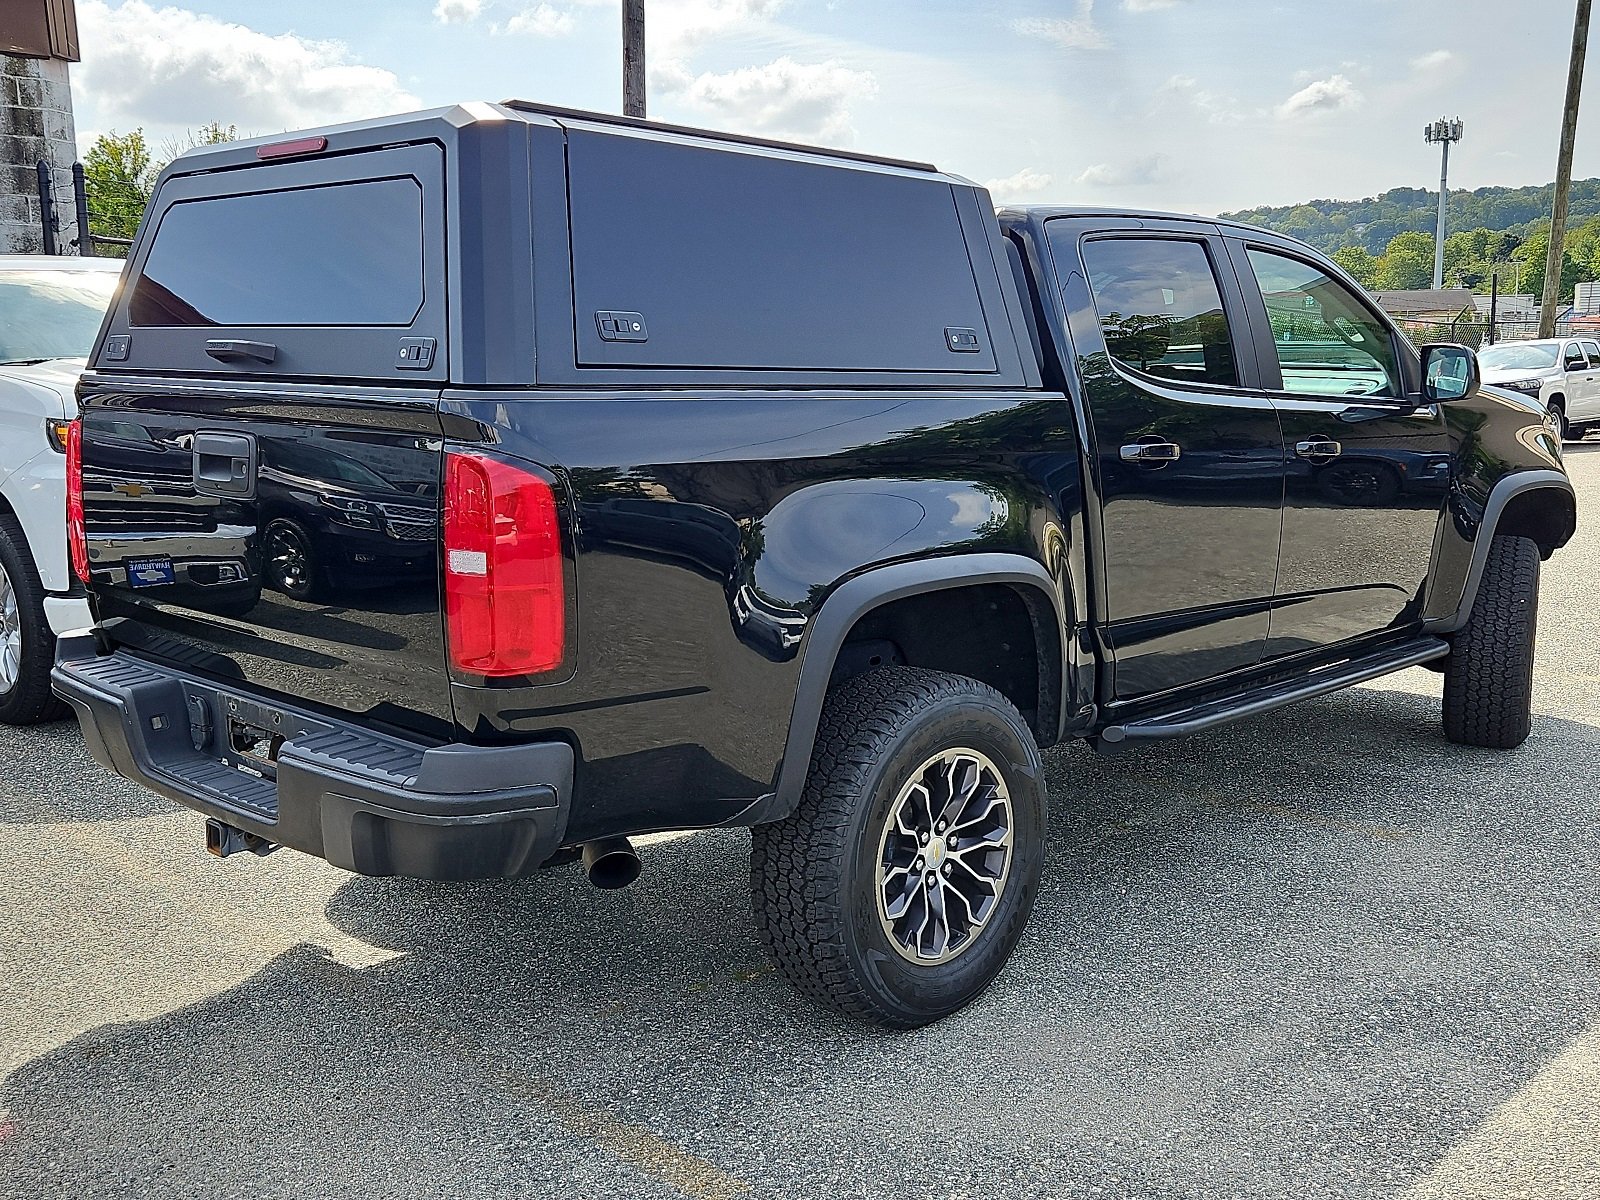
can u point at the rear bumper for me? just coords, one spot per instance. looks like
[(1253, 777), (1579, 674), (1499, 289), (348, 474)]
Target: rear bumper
[(367, 802)]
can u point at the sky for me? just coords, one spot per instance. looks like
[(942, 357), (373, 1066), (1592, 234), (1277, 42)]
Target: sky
[(1193, 105)]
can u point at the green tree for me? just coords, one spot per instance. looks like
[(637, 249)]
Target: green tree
[(1361, 266), (1407, 262), (1532, 254), (119, 176)]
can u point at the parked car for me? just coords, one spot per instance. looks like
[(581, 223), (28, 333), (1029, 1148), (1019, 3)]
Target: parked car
[(50, 311), (776, 487), (1563, 374)]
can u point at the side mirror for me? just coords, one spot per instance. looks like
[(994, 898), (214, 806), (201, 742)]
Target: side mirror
[(1449, 372)]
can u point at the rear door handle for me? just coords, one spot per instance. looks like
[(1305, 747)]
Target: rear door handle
[(1318, 449), (1152, 453), (225, 465), (233, 349)]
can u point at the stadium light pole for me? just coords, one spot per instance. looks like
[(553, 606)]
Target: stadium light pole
[(1444, 131)]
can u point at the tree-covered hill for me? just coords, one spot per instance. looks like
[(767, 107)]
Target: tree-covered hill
[(1386, 241), (1374, 222)]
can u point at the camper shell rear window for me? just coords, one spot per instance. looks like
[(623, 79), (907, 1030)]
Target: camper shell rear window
[(338, 254), (329, 266)]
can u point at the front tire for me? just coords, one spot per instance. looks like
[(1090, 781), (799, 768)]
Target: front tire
[(1557, 416), (1488, 678), (291, 561), (863, 909), (27, 645)]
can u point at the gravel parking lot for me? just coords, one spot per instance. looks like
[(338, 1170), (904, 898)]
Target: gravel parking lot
[(1322, 953)]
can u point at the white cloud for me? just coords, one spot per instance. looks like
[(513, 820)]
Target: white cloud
[(541, 20), (1026, 184), (1217, 108), (1140, 6), (678, 25), (1434, 58), (1152, 168), (1070, 33), (179, 69), (1333, 94), (785, 98), (457, 11)]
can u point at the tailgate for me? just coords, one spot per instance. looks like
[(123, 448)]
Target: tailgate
[(261, 439)]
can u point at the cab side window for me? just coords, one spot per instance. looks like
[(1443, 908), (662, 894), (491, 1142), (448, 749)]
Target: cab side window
[(1574, 359), (1328, 342), (1161, 309), (1592, 349)]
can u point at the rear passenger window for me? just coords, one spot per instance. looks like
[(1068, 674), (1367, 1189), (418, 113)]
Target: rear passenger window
[(1161, 309), (1592, 349), (344, 254), (730, 260)]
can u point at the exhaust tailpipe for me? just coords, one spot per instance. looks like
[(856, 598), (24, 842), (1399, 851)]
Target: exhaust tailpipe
[(610, 862)]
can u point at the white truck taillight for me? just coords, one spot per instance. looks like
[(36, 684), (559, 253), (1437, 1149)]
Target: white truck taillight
[(77, 536)]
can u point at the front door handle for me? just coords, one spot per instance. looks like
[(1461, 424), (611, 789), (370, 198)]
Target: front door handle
[(1154, 453), (1318, 449)]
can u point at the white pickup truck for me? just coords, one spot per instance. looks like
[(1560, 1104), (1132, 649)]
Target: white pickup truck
[(1563, 374), (50, 312)]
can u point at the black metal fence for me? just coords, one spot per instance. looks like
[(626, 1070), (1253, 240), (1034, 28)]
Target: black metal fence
[(66, 191)]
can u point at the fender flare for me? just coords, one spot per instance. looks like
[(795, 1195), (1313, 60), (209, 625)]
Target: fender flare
[(847, 604), (1503, 492)]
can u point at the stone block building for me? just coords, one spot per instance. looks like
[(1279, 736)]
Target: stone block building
[(38, 38)]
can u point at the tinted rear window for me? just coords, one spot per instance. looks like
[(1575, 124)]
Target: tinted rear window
[(342, 254)]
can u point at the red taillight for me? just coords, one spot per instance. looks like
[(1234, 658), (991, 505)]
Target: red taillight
[(504, 578), (77, 539)]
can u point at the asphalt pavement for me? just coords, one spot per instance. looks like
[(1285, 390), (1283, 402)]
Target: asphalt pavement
[(1320, 953)]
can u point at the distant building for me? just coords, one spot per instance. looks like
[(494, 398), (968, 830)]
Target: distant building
[(38, 38), (1438, 305), (1509, 306), (1586, 300)]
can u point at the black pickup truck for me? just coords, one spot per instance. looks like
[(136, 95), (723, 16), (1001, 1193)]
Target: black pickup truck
[(717, 482)]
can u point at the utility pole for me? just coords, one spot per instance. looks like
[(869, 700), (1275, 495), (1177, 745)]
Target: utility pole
[(1558, 210), (633, 58), (1443, 131)]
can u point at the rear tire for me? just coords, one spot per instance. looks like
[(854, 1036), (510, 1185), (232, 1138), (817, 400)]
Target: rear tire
[(898, 748), (27, 644), (1488, 678)]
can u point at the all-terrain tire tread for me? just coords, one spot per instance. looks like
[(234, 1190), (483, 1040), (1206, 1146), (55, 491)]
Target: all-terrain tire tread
[(795, 884), (1488, 678)]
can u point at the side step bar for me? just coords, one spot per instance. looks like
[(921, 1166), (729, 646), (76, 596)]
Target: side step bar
[(1195, 718)]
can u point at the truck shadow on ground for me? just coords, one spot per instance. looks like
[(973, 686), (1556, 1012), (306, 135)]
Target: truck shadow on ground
[(1257, 955)]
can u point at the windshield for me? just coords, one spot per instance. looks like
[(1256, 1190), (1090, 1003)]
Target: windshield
[(52, 314), (1527, 357)]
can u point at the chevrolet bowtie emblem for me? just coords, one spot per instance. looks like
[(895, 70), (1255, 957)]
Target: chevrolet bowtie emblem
[(131, 490)]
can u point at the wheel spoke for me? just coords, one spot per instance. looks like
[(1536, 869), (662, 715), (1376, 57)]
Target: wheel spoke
[(941, 921), (996, 800), (898, 907)]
